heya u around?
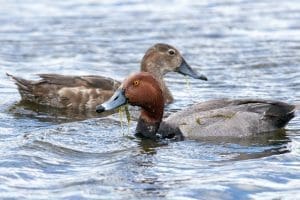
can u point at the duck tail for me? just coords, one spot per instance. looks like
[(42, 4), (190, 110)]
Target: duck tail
[(25, 87), (22, 84)]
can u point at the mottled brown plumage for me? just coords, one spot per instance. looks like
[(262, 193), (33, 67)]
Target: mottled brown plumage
[(61, 91), (85, 92)]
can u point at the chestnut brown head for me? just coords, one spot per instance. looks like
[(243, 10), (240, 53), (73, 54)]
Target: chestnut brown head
[(140, 89)]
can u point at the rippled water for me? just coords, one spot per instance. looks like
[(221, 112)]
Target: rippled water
[(246, 49)]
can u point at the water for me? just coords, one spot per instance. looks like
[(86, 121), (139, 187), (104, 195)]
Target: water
[(246, 49)]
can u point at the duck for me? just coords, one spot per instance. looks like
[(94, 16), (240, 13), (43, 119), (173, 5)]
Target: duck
[(221, 118), (85, 92)]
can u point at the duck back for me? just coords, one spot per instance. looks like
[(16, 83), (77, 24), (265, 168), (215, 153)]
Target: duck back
[(228, 118)]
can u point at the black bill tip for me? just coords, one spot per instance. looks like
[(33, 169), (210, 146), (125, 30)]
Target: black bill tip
[(202, 77), (100, 109)]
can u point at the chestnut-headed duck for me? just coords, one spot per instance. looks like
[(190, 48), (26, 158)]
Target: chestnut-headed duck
[(215, 118), (85, 92)]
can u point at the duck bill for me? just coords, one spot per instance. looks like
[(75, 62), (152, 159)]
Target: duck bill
[(118, 99), (185, 69)]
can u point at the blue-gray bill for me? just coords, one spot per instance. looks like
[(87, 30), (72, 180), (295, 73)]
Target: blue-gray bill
[(185, 69), (117, 100)]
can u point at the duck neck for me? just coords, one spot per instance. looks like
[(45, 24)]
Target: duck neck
[(149, 121), (155, 71)]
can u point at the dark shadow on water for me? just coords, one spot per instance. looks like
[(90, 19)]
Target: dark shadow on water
[(258, 146), (149, 146), (217, 152), (43, 113)]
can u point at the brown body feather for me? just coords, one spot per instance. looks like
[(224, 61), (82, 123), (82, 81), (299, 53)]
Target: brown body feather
[(73, 92)]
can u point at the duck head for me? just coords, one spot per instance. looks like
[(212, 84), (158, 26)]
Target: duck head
[(142, 90), (163, 58)]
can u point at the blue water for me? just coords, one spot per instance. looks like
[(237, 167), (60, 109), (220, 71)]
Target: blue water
[(245, 48)]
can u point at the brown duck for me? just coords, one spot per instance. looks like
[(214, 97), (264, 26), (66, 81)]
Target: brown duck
[(85, 92), (216, 118)]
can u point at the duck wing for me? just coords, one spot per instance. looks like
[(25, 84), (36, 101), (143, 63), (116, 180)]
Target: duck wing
[(90, 81), (62, 91), (229, 118)]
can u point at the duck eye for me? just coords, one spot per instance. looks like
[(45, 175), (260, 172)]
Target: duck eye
[(136, 83), (171, 52)]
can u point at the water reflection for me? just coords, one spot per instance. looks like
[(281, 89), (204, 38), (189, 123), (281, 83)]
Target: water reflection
[(49, 114)]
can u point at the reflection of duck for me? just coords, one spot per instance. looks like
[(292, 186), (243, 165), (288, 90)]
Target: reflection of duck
[(85, 92), (216, 118)]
